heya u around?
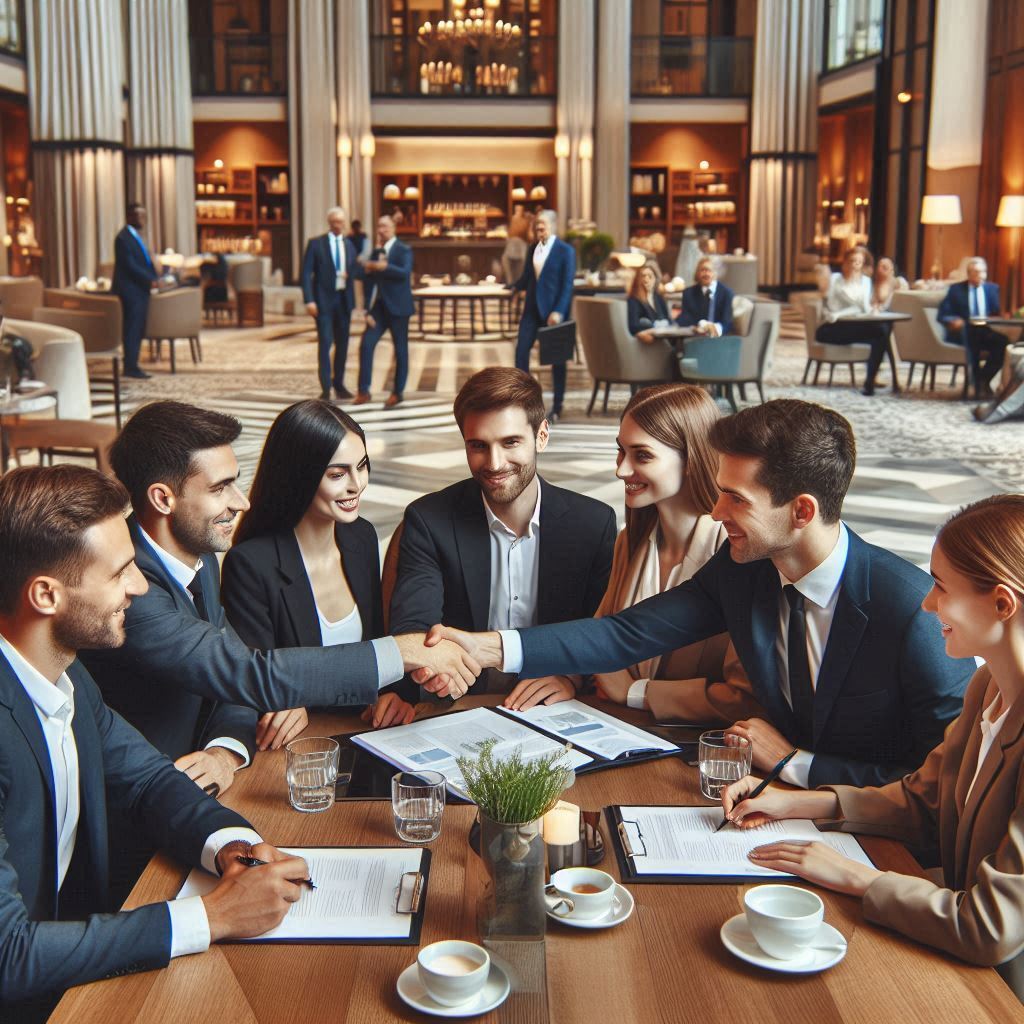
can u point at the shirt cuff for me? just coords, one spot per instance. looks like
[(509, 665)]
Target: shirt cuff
[(228, 743), (798, 771), (636, 695), (512, 651), (390, 667), (220, 839), (190, 927)]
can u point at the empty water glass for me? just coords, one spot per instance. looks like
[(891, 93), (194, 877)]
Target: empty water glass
[(417, 799), (724, 759), (312, 772)]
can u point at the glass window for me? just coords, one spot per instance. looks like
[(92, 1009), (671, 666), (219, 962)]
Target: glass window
[(855, 29)]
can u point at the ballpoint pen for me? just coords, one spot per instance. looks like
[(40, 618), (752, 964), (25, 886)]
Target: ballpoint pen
[(255, 862), (758, 790)]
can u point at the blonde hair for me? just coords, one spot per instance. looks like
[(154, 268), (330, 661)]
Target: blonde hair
[(984, 541)]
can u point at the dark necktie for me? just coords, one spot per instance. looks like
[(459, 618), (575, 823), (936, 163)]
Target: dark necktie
[(707, 303), (335, 255), (195, 588), (801, 692)]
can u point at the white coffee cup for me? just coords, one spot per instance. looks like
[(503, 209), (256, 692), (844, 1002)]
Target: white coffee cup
[(453, 971), (783, 918), (589, 891)]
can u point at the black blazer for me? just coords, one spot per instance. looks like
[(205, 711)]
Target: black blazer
[(886, 689), (268, 598), (642, 316), (117, 769), (133, 273), (693, 306)]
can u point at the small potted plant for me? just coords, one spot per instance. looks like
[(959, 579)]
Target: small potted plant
[(513, 794)]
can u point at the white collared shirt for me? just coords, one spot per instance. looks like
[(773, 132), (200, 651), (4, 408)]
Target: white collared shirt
[(820, 588), (515, 571), (337, 245), (989, 733), (388, 244), (541, 253), (979, 308)]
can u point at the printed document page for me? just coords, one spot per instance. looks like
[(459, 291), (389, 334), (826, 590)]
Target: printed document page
[(355, 896), (683, 841), (435, 743), (592, 730)]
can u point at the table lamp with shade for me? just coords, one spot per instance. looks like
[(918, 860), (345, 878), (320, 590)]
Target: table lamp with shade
[(1011, 215), (939, 211)]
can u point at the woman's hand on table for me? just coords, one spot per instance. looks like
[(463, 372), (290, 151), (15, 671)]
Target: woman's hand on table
[(614, 686), (816, 862), (389, 710), (276, 728), (546, 690)]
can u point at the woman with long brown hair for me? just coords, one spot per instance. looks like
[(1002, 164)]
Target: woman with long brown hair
[(965, 798), (667, 466), (645, 306)]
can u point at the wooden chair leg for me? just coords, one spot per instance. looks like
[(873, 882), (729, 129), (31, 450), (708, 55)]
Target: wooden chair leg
[(954, 375), (731, 397), (593, 397), (817, 370), (807, 370), (760, 392), (831, 373), (607, 390), (910, 376), (172, 343), (743, 391), (934, 371), (853, 375)]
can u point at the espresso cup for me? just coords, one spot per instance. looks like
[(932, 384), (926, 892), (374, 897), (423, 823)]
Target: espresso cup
[(590, 892), (784, 919), (453, 971)]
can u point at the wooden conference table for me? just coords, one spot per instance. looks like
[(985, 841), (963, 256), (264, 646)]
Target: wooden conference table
[(477, 296), (663, 965)]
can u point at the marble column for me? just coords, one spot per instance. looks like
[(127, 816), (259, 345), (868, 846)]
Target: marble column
[(159, 158), (575, 112), (784, 135), (76, 122), (611, 119), (355, 145)]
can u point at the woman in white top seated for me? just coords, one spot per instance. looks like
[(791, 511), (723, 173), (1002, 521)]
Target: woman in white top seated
[(304, 570), (966, 797), (850, 294), (886, 283)]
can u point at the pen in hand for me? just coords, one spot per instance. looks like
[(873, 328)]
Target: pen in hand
[(758, 790), (255, 862)]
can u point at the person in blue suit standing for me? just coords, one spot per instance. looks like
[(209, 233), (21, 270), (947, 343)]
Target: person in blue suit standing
[(329, 270), (547, 280), (134, 276), (388, 307), (707, 304), (972, 300)]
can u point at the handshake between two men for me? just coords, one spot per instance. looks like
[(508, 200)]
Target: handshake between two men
[(455, 660)]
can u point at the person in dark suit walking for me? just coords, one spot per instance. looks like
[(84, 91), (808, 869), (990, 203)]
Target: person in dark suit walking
[(66, 758), (504, 548), (388, 307), (547, 279), (707, 305), (304, 570), (975, 299), (134, 277), (829, 629), (329, 270)]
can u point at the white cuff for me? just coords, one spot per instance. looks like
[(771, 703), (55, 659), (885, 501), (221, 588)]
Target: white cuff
[(390, 667), (798, 771), (511, 651), (190, 927), (636, 695), (220, 839), (228, 743)]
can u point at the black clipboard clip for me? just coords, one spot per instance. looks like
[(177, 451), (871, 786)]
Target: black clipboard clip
[(411, 883), (627, 846)]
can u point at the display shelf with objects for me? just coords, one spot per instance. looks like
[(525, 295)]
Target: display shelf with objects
[(648, 197)]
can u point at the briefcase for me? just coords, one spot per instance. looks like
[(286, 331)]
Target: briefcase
[(558, 343)]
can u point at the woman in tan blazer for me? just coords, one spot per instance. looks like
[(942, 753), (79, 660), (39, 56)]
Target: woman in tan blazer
[(967, 796), (668, 467)]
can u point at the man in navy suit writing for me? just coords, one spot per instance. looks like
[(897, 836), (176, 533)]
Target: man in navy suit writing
[(134, 277), (547, 280), (967, 301), (329, 270), (849, 668), (388, 307), (707, 305)]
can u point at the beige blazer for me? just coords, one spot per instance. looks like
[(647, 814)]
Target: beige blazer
[(979, 914), (685, 683)]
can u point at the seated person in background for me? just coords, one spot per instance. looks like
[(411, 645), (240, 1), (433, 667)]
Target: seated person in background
[(304, 569), (974, 299), (668, 467), (849, 294), (707, 305), (829, 629), (965, 796), (65, 757), (645, 305), (886, 283), (504, 548)]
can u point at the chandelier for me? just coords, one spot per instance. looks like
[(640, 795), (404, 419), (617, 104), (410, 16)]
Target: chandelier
[(476, 26)]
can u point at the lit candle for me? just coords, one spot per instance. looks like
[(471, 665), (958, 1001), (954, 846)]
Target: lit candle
[(562, 824)]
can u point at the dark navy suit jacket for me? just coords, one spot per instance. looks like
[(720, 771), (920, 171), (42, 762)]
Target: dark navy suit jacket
[(693, 307), (133, 273), (641, 316), (552, 292), (391, 286), (956, 304), (119, 769), (319, 275), (886, 689)]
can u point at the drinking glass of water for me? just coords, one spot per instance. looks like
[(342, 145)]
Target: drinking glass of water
[(417, 799), (312, 772), (724, 759)]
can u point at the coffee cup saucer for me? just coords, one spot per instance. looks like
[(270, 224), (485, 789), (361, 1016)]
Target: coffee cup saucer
[(739, 940), (413, 993), (621, 908)]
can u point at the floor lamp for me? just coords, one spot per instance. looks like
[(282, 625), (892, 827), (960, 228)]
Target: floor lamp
[(940, 210), (1011, 215)]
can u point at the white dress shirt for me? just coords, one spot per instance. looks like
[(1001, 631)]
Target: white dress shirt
[(515, 572), (847, 297), (541, 253), (989, 732), (976, 300), (337, 244)]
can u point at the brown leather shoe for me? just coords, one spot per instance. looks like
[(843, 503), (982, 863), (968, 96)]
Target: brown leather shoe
[(392, 400), (362, 398)]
